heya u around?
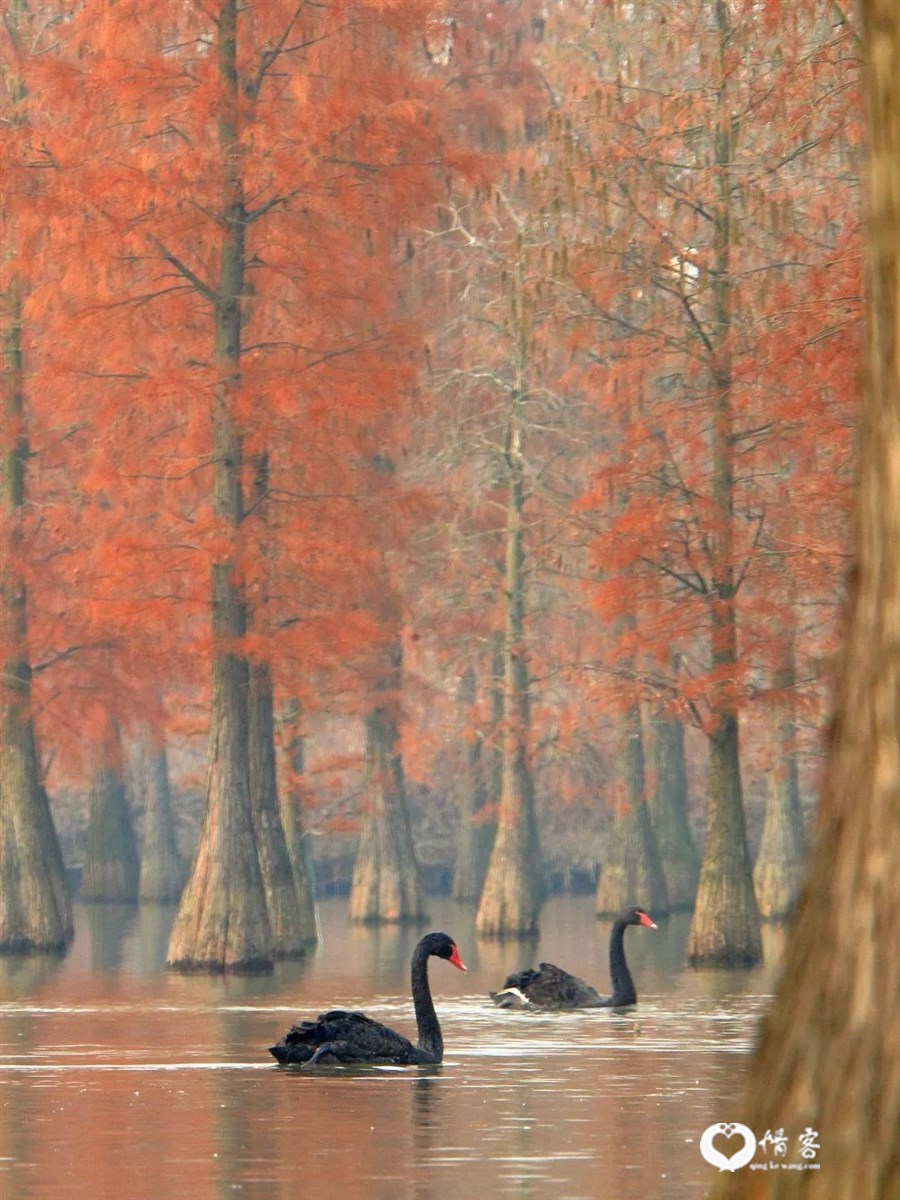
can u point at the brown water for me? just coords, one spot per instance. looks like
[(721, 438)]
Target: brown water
[(121, 1081)]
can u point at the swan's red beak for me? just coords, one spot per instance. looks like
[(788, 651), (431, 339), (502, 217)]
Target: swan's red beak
[(457, 961), (645, 920)]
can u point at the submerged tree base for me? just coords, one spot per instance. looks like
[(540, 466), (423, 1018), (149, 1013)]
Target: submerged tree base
[(27, 947), (249, 966), (726, 958)]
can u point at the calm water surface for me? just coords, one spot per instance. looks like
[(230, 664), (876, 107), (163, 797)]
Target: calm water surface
[(123, 1082)]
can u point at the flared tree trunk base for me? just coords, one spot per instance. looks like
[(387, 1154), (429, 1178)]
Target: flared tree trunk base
[(778, 884), (386, 889), (302, 868), (512, 896), (163, 871), (387, 886), (222, 922), (722, 938), (111, 870), (632, 871), (725, 930), (473, 856), (507, 918), (288, 935), (35, 909), (781, 862), (290, 803)]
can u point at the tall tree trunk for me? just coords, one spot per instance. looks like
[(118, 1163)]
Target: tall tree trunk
[(514, 886), (35, 910), (386, 886), (476, 834), (222, 921), (781, 859), (288, 917), (725, 929), (111, 869), (829, 1055), (290, 935), (290, 799), (632, 872), (668, 813), (163, 870)]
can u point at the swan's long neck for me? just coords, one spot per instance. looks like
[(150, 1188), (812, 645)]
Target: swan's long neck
[(622, 984), (430, 1039)]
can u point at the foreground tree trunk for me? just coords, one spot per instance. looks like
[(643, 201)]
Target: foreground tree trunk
[(222, 921), (829, 1056), (514, 886), (668, 813), (387, 886), (290, 800), (35, 910), (163, 871), (476, 833), (111, 868), (632, 872)]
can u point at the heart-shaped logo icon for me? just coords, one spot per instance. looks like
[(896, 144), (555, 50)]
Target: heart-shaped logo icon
[(728, 1130)]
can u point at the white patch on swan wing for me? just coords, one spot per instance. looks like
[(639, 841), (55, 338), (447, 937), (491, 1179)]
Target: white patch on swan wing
[(511, 998)]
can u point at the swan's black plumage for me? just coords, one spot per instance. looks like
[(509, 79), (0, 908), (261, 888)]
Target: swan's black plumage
[(551, 987), (341, 1036)]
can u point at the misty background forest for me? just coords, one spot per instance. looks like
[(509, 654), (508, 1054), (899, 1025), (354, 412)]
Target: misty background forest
[(428, 454)]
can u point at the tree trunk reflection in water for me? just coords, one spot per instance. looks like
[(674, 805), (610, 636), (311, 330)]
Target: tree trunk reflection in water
[(166, 1078)]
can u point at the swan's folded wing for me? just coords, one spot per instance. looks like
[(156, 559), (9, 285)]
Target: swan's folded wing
[(520, 980), (553, 987), (361, 1039)]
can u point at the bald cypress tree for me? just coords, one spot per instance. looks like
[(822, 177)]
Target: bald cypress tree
[(829, 1055)]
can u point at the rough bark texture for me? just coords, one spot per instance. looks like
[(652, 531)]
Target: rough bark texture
[(781, 858), (829, 1056), (163, 871), (725, 930), (476, 834), (35, 910), (386, 885), (631, 871), (514, 887), (290, 937), (290, 800), (222, 922), (668, 813), (111, 868)]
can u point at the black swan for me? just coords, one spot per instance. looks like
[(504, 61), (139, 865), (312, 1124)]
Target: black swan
[(551, 987), (339, 1036)]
